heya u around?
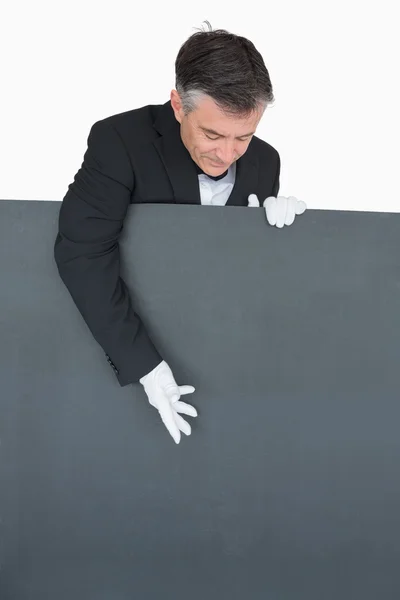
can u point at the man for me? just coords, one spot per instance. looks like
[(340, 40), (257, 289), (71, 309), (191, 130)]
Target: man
[(197, 148)]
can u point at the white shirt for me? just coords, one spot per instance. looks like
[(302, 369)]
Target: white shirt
[(216, 193)]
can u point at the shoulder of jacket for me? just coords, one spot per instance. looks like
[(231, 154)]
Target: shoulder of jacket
[(131, 125), (144, 115), (263, 147)]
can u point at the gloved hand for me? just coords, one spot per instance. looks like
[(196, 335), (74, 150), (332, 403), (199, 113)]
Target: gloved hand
[(280, 211), (163, 393)]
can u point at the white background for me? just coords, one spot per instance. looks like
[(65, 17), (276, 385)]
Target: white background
[(334, 68)]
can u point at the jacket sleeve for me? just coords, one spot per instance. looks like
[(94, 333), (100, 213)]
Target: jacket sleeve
[(87, 254), (275, 189)]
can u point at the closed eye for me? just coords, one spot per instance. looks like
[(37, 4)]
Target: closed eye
[(216, 138)]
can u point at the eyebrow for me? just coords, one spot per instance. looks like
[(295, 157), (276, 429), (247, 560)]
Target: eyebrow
[(220, 135)]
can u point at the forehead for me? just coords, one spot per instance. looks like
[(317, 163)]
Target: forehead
[(208, 116)]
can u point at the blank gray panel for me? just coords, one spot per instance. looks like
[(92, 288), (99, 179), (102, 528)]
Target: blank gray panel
[(288, 487)]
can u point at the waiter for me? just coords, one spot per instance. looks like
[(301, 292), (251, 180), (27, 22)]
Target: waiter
[(197, 148)]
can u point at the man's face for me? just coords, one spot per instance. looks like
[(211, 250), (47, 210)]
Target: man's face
[(213, 139)]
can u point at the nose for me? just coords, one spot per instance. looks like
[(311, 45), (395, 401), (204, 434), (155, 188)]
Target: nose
[(227, 153)]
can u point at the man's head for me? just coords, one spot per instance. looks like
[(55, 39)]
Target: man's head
[(222, 91)]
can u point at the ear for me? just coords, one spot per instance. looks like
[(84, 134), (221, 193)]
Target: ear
[(176, 105)]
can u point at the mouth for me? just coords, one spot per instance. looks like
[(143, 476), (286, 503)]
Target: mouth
[(216, 164)]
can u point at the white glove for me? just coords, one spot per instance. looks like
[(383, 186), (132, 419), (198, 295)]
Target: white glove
[(163, 393), (280, 211)]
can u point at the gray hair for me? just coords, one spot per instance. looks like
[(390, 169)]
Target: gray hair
[(226, 67)]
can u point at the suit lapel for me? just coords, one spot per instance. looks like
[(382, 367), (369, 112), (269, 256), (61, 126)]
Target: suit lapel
[(181, 168), (246, 179)]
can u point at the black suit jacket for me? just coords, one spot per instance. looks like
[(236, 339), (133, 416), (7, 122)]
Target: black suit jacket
[(134, 157)]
